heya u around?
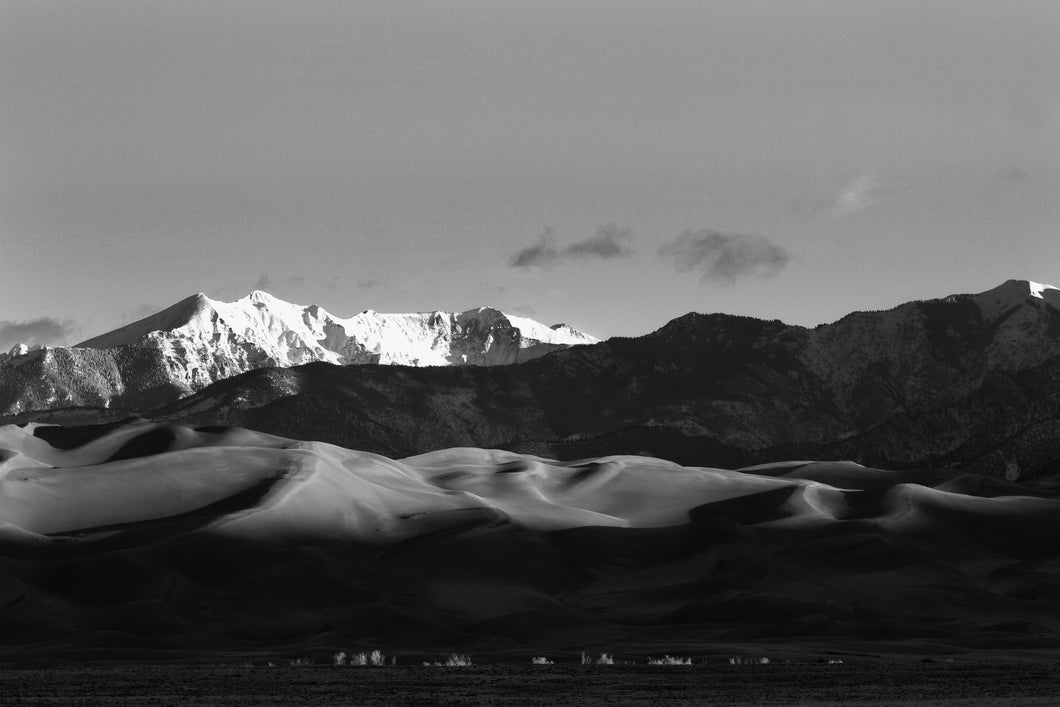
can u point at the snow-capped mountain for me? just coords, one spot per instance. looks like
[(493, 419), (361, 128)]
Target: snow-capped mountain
[(966, 380), (198, 341), (292, 334)]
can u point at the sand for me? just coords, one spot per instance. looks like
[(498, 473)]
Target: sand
[(146, 538)]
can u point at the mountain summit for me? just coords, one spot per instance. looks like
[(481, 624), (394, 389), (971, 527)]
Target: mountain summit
[(198, 341), (293, 334)]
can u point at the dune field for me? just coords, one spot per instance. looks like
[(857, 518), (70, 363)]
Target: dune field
[(143, 539)]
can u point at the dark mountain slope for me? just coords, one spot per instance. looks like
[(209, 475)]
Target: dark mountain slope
[(969, 380)]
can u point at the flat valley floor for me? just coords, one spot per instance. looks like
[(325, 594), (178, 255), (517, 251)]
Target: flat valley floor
[(912, 681)]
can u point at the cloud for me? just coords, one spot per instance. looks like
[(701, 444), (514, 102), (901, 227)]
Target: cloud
[(724, 257), (267, 282), (609, 242), (35, 331), (1015, 174), (541, 254), (855, 197)]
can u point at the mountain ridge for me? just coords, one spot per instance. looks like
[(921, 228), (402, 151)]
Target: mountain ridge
[(963, 380), (198, 341), (927, 383), (269, 322)]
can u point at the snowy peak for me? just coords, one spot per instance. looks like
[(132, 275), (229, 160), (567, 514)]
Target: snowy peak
[(261, 317), (480, 336), (203, 339), (1017, 291), (1011, 295), (182, 314), (573, 334), (260, 296), (199, 341)]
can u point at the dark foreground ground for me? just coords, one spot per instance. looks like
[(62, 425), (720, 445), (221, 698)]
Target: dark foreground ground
[(909, 682)]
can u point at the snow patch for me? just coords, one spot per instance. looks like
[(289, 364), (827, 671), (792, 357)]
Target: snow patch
[(1037, 289), (21, 349)]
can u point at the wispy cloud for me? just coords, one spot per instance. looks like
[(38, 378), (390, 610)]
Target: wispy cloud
[(45, 330), (1015, 174), (854, 197), (540, 254), (610, 241), (268, 282), (724, 257)]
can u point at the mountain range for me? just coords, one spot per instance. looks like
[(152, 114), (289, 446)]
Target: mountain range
[(632, 496), (970, 381), (199, 341)]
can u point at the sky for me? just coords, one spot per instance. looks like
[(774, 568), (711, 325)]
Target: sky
[(607, 164)]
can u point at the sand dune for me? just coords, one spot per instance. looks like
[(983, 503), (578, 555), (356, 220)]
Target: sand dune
[(157, 536)]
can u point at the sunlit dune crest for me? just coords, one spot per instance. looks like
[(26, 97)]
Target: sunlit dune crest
[(360, 496)]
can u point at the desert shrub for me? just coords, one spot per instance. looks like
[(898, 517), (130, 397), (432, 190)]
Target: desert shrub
[(453, 661), (739, 660), (375, 658), (670, 660), (604, 659), (540, 660)]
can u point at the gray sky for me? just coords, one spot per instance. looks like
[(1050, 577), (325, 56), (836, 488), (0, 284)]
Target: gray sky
[(609, 164)]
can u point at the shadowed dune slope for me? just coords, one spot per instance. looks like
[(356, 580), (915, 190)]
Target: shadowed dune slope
[(150, 536)]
